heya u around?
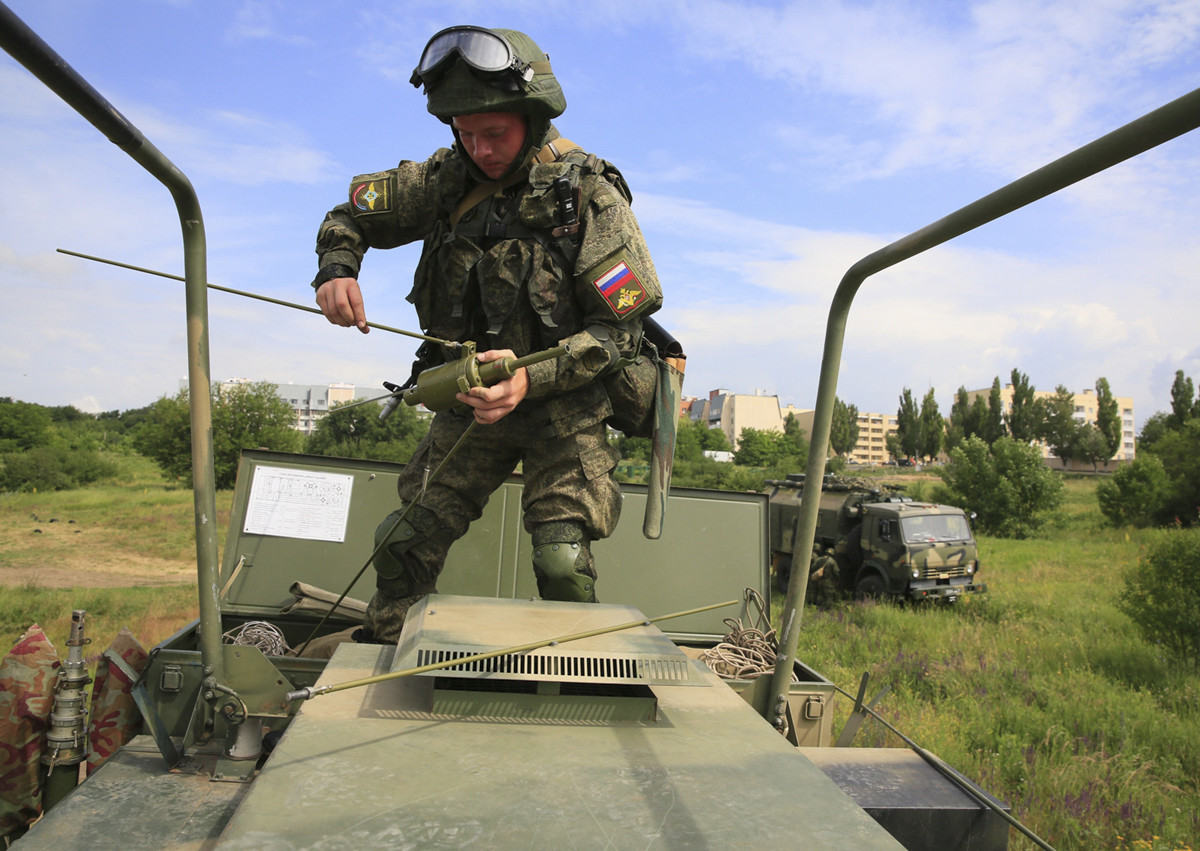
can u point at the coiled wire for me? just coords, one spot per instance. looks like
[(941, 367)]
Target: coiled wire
[(265, 636)]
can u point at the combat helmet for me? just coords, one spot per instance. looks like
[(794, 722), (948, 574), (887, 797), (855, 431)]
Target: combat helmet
[(467, 70)]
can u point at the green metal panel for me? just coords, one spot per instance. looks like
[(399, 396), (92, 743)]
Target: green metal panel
[(132, 802), (373, 768), (713, 546)]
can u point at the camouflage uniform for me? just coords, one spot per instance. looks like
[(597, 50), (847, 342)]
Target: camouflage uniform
[(495, 274)]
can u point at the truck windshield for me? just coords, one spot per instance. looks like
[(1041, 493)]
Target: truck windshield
[(935, 527)]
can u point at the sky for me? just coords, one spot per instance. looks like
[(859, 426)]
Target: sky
[(769, 146)]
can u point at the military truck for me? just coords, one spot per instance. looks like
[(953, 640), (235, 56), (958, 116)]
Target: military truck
[(873, 541)]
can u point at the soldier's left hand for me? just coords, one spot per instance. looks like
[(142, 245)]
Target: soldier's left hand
[(492, 404)]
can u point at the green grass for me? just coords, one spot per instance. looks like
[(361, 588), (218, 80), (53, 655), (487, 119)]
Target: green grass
[(1040, 690), (130, 542), (151, 614)]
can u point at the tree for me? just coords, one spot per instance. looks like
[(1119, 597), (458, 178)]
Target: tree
[(243, 417), (843, 428), (756, 448), (1162, 596), (1059, 427), (1153, 430), (1006, 485), (358, 432), (991, 418), (932, 427), (713, 440), (1183, 395), (1091, 446), (23, 425), (1136, 493), (1108, 417), (1022, 417), (1179, 450), (959, 424), (908, 425)]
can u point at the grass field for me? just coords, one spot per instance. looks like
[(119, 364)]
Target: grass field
[(1040, 690)]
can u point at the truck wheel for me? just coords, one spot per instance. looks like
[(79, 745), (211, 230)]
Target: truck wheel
[(783, 573), (870, 587)]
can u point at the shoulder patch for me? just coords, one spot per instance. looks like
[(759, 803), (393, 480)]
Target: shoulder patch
[(371, 195), (621, 287)]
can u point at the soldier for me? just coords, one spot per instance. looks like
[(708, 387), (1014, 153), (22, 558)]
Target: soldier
[(529, 243)]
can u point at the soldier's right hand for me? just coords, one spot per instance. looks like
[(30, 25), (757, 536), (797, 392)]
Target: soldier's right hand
[(341, 301)]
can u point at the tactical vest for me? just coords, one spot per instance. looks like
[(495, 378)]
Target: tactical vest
[(499, 268)]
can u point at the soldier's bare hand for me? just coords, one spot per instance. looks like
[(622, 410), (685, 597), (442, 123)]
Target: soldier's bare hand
[(340, 300), (492, 404)]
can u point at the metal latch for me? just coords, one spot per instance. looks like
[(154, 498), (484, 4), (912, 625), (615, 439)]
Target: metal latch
[(171, 680), (814, 707)]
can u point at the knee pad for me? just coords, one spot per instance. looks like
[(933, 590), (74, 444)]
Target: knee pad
[(564, 568), (390, 563)]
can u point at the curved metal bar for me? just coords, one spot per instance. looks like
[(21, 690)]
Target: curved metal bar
[(24, 45), (1163, 124)]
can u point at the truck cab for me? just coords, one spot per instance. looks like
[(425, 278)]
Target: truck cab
[(917, 550)]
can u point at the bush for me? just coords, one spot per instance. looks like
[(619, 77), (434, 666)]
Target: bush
[(52, 468), (1007, 486), (1162, 595), (1135, 494)]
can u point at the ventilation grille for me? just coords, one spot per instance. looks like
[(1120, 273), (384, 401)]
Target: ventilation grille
[(949, 572), (561, 667)]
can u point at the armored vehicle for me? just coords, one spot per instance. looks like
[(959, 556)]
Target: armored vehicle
[(874, 542), (496, 720)]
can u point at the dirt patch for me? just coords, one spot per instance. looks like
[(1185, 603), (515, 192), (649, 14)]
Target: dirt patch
[(64, 554)]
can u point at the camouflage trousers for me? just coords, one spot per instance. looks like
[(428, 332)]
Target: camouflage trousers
[(568, 485)]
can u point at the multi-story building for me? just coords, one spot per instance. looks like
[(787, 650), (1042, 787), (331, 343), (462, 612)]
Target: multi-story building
[(1085, 412), (733, 412), (873, 431), (310, 402)]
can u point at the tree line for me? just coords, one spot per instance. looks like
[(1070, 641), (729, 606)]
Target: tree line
[(923, 434)]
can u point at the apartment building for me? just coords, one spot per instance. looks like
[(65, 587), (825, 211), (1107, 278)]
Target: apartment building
[(310, 402), (731, 412), (873, 431), (1085, 412)]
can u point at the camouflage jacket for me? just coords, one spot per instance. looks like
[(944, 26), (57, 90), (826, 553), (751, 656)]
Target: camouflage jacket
[(496, 274)]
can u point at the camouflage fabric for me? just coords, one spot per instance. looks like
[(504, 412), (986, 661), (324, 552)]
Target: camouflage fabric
[(667, 395), (27, 678), (494, 271), (489, 278), (567, 480), (824, 580), (114, 718)]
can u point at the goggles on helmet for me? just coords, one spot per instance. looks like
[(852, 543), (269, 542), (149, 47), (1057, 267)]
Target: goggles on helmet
[(487, 55)]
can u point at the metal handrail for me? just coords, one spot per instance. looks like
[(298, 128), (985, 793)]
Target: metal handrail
[(24, 45)]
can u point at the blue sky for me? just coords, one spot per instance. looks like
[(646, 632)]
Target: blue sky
[(769, 146)]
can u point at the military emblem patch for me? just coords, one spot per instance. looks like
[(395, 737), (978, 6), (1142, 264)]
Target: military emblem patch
[(621, 288), (371, 196)]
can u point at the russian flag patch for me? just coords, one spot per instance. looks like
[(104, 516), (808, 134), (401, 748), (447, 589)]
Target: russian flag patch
[(621, 288)]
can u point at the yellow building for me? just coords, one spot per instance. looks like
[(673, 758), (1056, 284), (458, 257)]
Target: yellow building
[(732, 412), (1085, 412), (873, 431)]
